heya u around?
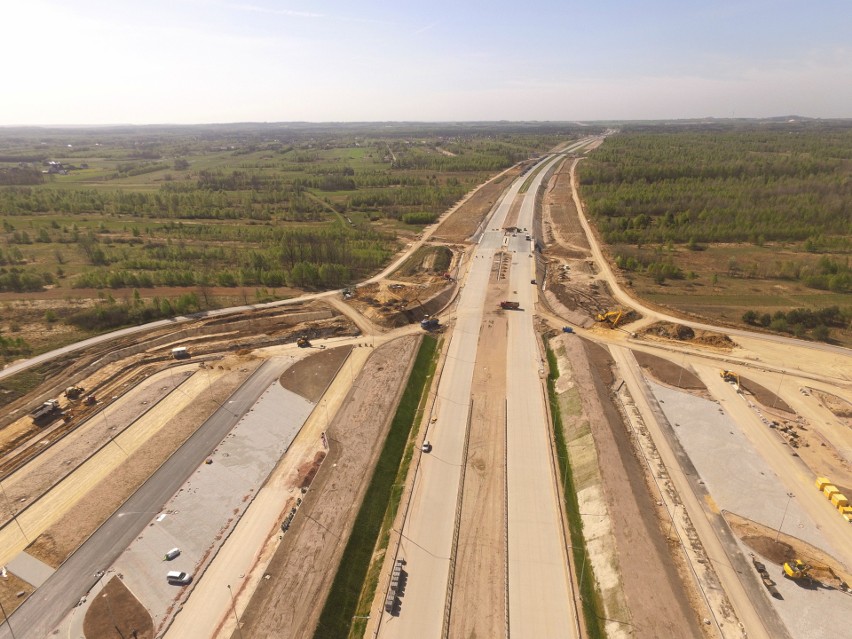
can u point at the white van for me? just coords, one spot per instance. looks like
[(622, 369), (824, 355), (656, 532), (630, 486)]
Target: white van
[(174, 552)]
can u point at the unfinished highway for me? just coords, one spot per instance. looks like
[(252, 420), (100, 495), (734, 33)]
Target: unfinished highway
[(538, 587)]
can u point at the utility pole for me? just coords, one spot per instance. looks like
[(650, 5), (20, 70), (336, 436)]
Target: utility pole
[(234, 608)]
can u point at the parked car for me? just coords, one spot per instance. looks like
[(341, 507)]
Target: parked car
[(177, 578)]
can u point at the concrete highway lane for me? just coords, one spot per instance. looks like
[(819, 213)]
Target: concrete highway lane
[(540, 596), (46, 607), (427, 536)]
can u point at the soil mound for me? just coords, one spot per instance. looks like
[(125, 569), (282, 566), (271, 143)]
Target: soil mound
[(681, 333)]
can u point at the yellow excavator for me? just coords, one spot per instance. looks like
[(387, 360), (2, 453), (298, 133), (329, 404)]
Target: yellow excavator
[(797, 569), (613, 317)]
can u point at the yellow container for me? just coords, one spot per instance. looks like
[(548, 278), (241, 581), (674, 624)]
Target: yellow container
[(822, 482), (839, 500), (829, 490)]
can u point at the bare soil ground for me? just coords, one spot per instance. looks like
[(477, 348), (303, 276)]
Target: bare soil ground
[(837, 405), (288, 603), (479, 592), (61, 539), (655, 592), (681, 333), (561, 224), (13, 592), (669, 373), (311, 376), (116, 612), (394, 304), (464, 221), (762, 540), (602, 561), (765, 396)]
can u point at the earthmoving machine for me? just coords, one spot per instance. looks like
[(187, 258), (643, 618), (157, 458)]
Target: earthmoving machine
[(730, 376), (74, 392), (510, 305), (303, 342), (797, 569), (611, 317), (430, 323)]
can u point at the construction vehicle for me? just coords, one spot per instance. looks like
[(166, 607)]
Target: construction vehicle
[(180, 352), (430, 323), (611, 317), (730, 376), (74, 392), (303, 342), (567, 329), (46, 410), (797, 569), (90, 400), (510, 305)]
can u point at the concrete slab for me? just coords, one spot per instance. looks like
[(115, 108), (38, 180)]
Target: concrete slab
[(736, 475), (30, 569), (200, 516)]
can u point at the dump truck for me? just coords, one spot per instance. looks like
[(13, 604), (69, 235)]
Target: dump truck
[(303, 342), (730, 376), (510, 305), (430, 323), (46, 410)]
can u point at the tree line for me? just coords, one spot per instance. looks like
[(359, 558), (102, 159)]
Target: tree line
[(730, 186)]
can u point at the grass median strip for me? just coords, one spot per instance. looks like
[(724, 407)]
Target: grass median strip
[(370, 533), (593, 616)]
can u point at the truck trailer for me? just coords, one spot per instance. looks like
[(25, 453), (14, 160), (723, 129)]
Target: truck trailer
[(46, 410)]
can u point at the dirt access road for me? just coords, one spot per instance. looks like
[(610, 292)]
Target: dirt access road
[(288, 603)]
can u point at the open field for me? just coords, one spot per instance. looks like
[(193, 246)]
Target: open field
[(195, 217)]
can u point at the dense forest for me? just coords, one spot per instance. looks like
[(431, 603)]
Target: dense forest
[(775, 184), (662, 195)]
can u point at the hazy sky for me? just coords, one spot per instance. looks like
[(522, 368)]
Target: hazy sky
[(187, 61)]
